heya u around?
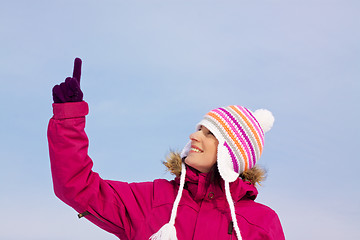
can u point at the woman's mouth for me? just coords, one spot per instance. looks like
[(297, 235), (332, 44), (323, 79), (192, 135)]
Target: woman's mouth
[(195, 149)]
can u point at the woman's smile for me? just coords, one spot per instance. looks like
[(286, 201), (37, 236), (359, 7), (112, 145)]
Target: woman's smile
[(195, 149)]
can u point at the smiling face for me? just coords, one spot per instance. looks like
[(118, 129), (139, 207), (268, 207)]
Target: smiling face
[(203, 153)]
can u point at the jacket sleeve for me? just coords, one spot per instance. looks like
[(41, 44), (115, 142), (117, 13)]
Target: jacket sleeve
[(275, 230), (117, 207)]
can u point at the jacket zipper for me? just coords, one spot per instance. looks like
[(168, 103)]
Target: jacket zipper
[(80, 215), (230, 229)]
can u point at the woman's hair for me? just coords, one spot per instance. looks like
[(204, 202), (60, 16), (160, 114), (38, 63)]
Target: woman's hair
[(254, 175)]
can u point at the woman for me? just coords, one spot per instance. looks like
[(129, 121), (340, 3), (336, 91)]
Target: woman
[(212, 196)]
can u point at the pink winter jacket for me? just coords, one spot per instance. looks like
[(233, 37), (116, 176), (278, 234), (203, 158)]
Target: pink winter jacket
[(137, 210)]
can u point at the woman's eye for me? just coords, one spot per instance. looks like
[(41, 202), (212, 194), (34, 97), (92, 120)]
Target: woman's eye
[(208, 132)]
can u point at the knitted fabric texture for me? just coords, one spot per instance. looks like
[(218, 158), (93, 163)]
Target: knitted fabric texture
[(241, 140), (240, 135)]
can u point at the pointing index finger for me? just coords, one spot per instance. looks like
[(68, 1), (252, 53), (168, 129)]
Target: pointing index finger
[(77, 69)]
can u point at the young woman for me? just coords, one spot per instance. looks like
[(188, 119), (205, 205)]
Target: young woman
[(212, 196)]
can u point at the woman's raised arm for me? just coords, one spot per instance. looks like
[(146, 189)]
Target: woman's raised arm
[(111, 205)]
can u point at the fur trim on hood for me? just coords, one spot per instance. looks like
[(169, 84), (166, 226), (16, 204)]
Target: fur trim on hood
[(255, 175)]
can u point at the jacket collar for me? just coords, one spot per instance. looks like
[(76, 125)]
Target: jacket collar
[(201, 185)]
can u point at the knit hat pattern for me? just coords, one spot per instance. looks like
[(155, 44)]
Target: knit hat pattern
[(240, 136)]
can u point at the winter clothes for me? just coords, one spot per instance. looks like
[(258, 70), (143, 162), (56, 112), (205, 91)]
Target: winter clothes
[(137, 210)]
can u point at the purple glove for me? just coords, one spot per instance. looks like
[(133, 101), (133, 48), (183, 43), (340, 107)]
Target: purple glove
[(69, 91)]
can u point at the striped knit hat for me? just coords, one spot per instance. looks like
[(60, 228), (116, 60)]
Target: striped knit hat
[(241, 137), (240, 134)]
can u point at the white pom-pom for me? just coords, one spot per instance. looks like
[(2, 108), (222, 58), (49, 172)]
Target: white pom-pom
[(265, 119), (166, 232)]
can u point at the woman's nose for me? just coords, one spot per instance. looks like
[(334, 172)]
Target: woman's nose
[(194, 136)]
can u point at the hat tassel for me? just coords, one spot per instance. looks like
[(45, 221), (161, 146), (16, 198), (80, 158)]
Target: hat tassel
[(168, 231)]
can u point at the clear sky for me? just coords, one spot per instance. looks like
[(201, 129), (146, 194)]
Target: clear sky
[(152, 69)]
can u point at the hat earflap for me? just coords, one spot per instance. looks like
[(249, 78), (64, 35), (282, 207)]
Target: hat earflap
[(168, 231), (186, 150), (225, 163)]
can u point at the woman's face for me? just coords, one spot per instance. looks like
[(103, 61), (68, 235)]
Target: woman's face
[(203, 152)]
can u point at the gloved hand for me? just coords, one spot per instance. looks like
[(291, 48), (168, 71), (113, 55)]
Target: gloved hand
[(69, 90)]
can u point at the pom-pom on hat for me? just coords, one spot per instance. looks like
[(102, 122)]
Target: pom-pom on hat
[(240, 136), (240, 133)]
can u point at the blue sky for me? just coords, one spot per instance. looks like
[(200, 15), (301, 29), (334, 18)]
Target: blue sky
[(152, 69)]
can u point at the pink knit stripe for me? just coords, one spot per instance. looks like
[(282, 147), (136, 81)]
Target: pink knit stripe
[(254, 122), (236, 164), (241, 135), (251, 131), (229, 134)]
